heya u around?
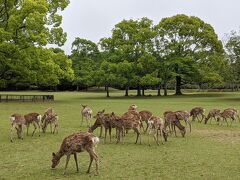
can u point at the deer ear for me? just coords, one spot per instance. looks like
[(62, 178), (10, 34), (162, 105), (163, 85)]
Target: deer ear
[(112, 113), (103, 110), (53, 154)]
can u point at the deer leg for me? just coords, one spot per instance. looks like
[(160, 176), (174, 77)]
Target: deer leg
[(90, 164), (156, 139), (81, 121), (175, 130), (27, 128), (146, 127), (100, 132), (190, 125), (105, 135), (110, 134), (35, 127), (11, 132), (67, 160), (51, 127), (38, 128), (75, 158), (149, 133)]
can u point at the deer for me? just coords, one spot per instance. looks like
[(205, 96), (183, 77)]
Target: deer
[(132, 120), (50, 119), (35, 119), (196, 112), (227, 113), (145, 116), (184, 115), (236, 113), (87, 113), (17, 122), (117, 123), (77, 143), (214, 113), (172, 119), (155, 126)]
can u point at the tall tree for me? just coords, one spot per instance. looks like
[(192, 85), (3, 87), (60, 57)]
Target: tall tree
[(86, 59), (186, 43), (131, 41), (27, 26)]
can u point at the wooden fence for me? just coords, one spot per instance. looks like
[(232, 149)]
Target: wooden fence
[(25, 98)]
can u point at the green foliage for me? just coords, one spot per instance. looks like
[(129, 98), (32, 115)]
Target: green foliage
[(86, 60), (184, 45), (25, 27)]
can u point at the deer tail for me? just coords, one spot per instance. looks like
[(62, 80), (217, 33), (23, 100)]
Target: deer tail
[(39, 117), (95, 140)]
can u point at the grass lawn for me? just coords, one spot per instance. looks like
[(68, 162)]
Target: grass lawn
[(209, 152)]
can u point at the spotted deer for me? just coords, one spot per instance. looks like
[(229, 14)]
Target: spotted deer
[(227, 114), (77, 143), (87, 113), (172, 120), (145, 116), (196, 112), (132, 120), (156, 126), (102, 120), (213, 113), (17, 122), (184, 115), (52, 120), (34, 119), (118, 123)]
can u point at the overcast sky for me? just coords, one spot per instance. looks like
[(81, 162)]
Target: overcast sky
[(94, 19)]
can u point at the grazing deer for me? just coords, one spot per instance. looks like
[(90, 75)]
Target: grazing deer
[(17, 122), (35, 119), (50, 119), (77, 143), (236, 113), (155, 125), (102, 120), (145, 116), (196, 112), (227, 113), (184, 115), (214, 113), (172, 119), (87, 113)]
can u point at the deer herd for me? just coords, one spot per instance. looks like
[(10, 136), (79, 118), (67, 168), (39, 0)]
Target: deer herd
[(132, 119)]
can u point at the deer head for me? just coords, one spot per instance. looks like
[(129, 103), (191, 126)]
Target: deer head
[(55, 160)]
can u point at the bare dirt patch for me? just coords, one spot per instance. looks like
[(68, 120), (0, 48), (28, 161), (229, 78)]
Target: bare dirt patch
[(224, 136)]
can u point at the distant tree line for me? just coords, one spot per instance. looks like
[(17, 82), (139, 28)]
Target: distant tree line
[(179, 51)]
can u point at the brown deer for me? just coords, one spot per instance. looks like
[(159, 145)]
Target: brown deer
[(117, 123), (50, 119), (172, 119), (156, 125), (102, 120), (77, 143), (196, 112), (17, 122), (227, 113), (87, 113), (132, 120), (145, 116), (214, 113), (236, 113), (35, 119), (184, 115)]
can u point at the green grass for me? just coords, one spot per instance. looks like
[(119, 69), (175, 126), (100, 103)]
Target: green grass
[(209, 152)]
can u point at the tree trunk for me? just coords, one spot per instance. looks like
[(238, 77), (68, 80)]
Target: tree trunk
[(159, 91), (77, 87), (138, 91), (126, 91), (107, 89), (178, 85), (143, 93), (165, 89)]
